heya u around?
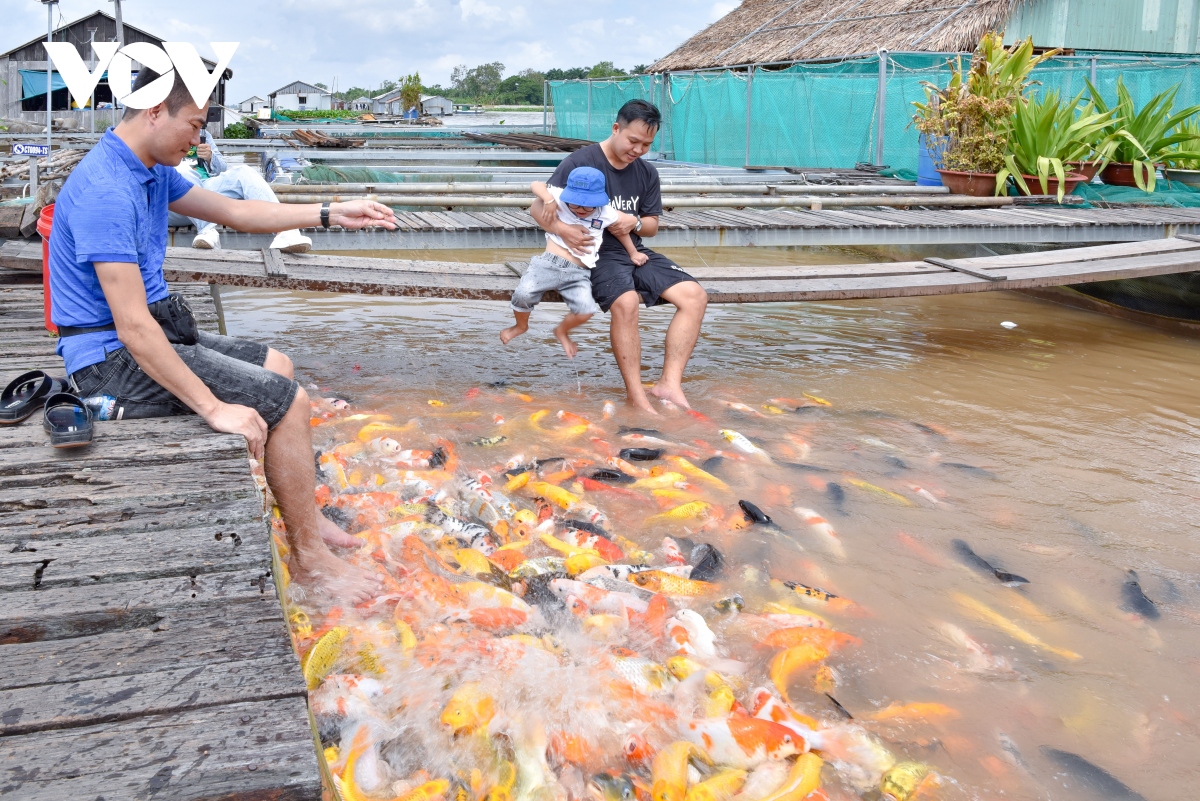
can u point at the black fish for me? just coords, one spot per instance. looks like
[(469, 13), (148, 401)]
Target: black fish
[(646, 432), (503, 382), (807, 468), (707, 562), (970, 468), (754, 514), (927, 430), (977, 562), (1135, 600), (836, 496), (837, 704), (712, 464), (338, 516), (584, 525), (439, 457), (895, 461), (540, 463), (611, 475), (808, 409), (1093, 777), (640, 454)]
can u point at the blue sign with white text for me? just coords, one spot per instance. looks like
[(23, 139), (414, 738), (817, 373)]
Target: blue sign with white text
[(20, 149)]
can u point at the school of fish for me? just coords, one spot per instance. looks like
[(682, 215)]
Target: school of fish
[(562, 620)]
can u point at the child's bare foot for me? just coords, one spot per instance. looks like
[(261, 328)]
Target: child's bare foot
[(333, 535), (639, 258), (512, 332), (564, 339), (316, 568)]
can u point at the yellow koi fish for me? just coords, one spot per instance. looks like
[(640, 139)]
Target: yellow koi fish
[(720, 787), (690, 469), (374, 430), (320, 658), (990, 615), (556, 495), (536, 418), (661, 481), (670, 584), (863, 485), (469, 709), (786, 663), (566, 549), (578, 563), (693, 510), (803, 778), (426, 792), (669, 770)]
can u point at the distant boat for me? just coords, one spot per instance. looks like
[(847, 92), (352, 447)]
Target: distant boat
[(468, 108)]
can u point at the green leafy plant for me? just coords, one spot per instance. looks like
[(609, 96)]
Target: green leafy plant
[(237, 130), (317, 114), (968, 120), (1147, 136), (1043, 134), (1189, 145)]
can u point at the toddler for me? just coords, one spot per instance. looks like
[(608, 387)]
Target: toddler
[(583, 202)]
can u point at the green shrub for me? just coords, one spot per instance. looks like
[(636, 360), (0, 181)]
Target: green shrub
[(237, 131), (318, 114)]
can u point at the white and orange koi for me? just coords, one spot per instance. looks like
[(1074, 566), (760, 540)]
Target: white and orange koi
[(823, 529)]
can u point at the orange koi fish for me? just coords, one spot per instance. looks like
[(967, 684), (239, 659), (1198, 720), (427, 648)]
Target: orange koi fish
[(741, 741), (828, 639), (786, 664)]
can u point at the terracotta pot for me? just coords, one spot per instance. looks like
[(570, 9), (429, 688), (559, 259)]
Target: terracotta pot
[(973, 184), (1074, 179), (1118, 175), (1087, 169)]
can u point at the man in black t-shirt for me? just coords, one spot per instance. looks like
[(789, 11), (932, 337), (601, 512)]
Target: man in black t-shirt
[(617, 284)]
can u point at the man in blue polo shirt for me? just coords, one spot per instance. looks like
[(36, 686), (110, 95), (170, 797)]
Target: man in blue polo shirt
[(106, 257)]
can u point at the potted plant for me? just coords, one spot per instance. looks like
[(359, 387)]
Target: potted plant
[(1143, 138), (1184, 169), (966, 124), (1043, 134)]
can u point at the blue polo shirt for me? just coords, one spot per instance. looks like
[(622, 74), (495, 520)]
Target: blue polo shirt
[(111, 208)]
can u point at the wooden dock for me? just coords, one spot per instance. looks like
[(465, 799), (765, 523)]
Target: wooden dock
[(514, 228), (144, 648), (372, 276)]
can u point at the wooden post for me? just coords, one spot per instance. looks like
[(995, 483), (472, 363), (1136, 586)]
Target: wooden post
[(881, 107), (749, 91), (33, 176)]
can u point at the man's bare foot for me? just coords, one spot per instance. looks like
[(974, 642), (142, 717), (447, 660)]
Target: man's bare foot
[(564, 339), (334, 536), (512, 332), (641, 403), (316, 568), (673, 394)]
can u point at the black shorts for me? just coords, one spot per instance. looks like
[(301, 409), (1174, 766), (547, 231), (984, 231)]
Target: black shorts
[(231, 368), (614, 275)]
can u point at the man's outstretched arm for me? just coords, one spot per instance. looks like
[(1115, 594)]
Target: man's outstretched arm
[(259, 217), (148, 345)]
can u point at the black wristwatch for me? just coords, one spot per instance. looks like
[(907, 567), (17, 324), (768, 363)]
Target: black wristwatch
[(325, 215)]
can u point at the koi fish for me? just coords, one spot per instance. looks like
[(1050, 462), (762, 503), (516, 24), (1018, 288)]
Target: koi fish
[(689, 469), (978, 563), (469, 709), (691, 634), (644, 675), (319, 659), (1135, 600), (741, 407), (986, 613), (863, 485), (980, 660), (785, 664), (488, 442), (914, 711), (556, 495), (689, 511), (802, 780), (744, 445), (596, 598), (828, 639), (669, 770), (721, 787), (815, 595), (602, 545), (478, 595), (925, 494), (823, 529), (661, 481), (667, 584), (741, 741)]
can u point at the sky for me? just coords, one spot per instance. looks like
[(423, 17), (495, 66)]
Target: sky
[(363, 42)]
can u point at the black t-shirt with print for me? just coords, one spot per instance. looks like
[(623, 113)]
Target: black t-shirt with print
[(633, 190)]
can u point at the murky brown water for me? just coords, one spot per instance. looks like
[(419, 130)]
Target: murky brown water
[(1065, 451)]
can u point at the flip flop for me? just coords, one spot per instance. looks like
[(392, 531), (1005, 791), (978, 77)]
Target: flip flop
[(68, 421), (26, 394)]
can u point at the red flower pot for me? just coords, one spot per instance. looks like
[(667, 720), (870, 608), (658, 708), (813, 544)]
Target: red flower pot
[(973, 184), (1074, 179)]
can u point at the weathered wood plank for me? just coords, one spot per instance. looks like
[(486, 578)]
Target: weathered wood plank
[(253, 751), (60, 613), (217, 507)]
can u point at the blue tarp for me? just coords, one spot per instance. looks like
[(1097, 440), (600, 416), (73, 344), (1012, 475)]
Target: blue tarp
[(33, 83)]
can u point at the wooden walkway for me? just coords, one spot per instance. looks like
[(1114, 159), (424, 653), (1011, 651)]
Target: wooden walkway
[(724, 285), (144, 650), (514, 228)]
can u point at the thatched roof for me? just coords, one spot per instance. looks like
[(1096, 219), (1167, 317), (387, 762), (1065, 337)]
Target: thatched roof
[(766, 31)]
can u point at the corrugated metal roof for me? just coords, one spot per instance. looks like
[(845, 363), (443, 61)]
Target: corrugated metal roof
[(1140, 26), (296, 87)]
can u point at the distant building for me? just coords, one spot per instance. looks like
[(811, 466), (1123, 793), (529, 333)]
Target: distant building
[(436, 105), (388, 103), (363, 103), (251, 105), (300, 96), (23, 76)]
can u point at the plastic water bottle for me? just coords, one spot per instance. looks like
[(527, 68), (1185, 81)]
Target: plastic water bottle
[(104, 407)]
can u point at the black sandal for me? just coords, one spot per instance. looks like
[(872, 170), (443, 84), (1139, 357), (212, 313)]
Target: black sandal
[(68, 421), (26, 394)]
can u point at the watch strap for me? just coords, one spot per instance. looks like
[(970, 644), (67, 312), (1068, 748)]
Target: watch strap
[(325, 215)]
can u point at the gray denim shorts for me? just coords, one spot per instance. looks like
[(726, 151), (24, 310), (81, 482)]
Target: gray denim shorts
[(550, 272), (231, 368)]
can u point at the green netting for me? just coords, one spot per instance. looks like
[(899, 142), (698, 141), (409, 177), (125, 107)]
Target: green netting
[(1166, 193), (322, 174), (824, 115)]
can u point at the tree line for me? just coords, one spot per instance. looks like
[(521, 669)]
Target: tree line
[(486, 83)]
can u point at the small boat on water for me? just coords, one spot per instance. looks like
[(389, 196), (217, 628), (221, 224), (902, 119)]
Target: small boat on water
[(468, 108)]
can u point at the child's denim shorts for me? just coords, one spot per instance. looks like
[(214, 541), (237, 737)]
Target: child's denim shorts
[(550, 272)]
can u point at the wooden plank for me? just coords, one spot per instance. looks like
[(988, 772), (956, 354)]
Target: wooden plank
[(10, 223), (60, 613), (951, 265), (255, 751), (273, 262), (220, 507)]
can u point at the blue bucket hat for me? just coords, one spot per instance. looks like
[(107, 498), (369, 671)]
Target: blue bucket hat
[(585, 187)]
